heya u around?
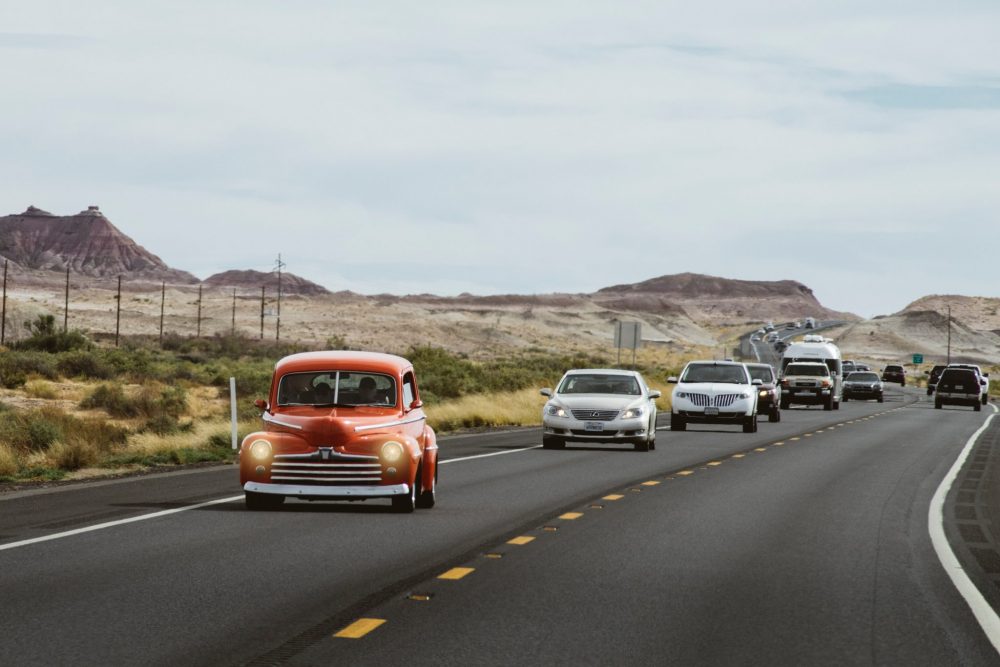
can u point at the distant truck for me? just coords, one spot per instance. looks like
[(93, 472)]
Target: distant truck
[(810, 323), (815, 350)]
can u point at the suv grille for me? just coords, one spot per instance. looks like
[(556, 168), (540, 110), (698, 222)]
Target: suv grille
[(720, 401), (595, 415)]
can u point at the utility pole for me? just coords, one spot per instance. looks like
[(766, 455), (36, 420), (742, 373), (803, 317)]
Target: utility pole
[(233, 332), (949, 334), (163, 303), (3, 318), (277, 331), (66, 305), (262, 288), (118, 315), (199, 312)]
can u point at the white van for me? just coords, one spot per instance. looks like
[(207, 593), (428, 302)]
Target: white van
[(826, 352)]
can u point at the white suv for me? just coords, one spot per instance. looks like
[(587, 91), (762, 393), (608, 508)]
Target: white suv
[(600, 405), (714, 392)]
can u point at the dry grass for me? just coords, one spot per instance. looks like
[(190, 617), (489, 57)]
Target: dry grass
[(40, 389), (8, 461), (515, 408), (150, 443)]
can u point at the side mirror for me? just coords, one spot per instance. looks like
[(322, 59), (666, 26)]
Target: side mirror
[(417, 403), (546, 392), (655, 394), (757, 383), (261, 405), (672, 380)]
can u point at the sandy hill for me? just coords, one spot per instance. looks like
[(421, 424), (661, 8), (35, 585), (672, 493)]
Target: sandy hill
[(87, 243), (254, 280), (978, 312)]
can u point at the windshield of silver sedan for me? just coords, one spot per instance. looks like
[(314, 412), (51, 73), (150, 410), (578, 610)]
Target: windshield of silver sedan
[(586, 383), (337, 389)]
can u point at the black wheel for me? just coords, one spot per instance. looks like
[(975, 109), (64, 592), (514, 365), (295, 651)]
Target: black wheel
[(750, 423), (978, 406), (677, 423), (427, 497), (846, 398), (641, 445), (937, 404), (986, 400), (262, 502), (785, 403), (836, 405), (902, 383), (929, 391), (881, 399), (774, 415), (552, 442), (828, 404), (405, 503)]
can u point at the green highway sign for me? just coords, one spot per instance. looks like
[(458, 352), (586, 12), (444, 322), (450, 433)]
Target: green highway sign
[(918, 358)]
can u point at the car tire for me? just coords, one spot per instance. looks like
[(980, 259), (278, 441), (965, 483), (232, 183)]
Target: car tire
[(978, 406), (678, 423), (552, 442), (785, 403), (774, 415), (262, 502), (986, 400), (938, 404), (427, 497), (881, 399), (641, 445), (929, 391), (836, 405), (846, 398), (405, 503), (750, 423), (828, 404)]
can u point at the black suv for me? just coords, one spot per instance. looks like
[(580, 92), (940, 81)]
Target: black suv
[(958, 386), (932, 379), (894, 373)]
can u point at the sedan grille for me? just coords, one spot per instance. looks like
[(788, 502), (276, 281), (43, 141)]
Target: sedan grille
[(326, 468), (595, 415)]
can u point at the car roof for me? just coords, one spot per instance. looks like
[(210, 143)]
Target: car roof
[(604, 371), (343, 360), (717, 363)]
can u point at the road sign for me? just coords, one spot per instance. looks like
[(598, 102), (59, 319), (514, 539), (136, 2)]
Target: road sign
[(918, 358), (628, 335)]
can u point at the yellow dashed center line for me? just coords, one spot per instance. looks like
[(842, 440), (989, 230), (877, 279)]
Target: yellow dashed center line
[(570, 516), (794, 439), (521, 540), (738, 456), (360, 628), (761, 449), (777, 444), (456, 573), (613, 496), (808, 435), (650, 483), (715, 463), (685, 473)]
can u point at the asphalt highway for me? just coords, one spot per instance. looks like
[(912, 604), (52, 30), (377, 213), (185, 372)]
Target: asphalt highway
[(805, 543)]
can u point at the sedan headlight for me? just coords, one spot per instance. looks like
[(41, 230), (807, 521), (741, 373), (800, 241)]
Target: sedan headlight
[(632, 413), (260, 450), (681, 394), (556, 411), (392, 451)]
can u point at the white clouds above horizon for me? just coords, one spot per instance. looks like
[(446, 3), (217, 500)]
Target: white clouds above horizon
[(521, 147)]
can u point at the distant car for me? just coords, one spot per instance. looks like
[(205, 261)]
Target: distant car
[(780, 346), (769, 394), (755, 338), (792, 325), (958, 386), (808, 382), (771, 337), (848, 367), (863, 386), (862, 367), (984, 379), (769, 326), (810, 323), (600, 405), (933, 377), (894, 373), (715, 392)]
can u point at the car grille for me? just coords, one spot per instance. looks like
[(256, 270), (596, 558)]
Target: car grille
[(720, 401), (805, 383), (336, 469), (595, 415)]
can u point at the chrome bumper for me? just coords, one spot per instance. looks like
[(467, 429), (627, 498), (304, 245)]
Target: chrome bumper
[(297, 490)]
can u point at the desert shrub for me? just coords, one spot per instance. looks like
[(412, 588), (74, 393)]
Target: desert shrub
[(112, 399), (73, 455), (253, 378), (152, 401), (8, 461), (44, 336), (16, 366), (89, 364), (164, 424), (38, 430), (40, 389)]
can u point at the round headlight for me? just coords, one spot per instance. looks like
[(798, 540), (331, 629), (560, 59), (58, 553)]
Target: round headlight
[(392, 451), (260, 450), (763, 392)]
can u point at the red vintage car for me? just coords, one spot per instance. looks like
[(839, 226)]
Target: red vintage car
[(341, 426)]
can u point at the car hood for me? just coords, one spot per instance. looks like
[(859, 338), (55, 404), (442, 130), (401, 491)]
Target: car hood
[(597, 401), (331, 426), (713, 388)]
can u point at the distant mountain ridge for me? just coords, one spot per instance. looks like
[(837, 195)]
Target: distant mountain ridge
[(250, 279), (87, 243)]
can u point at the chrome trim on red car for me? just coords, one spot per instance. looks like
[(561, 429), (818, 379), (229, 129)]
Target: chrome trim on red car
[(274, 420), (294, 490), (400, 422)]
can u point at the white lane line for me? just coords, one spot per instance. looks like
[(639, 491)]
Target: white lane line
[(981, 609), (483, 456), (119, 522)]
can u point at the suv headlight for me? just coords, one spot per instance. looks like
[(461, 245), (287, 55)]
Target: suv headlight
[(556, 411), (681, 394), (632, 413), (745, 394)]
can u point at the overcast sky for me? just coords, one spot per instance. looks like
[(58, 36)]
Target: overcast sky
[(522, 147)]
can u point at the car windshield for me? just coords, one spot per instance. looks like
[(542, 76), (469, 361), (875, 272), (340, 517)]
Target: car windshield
[(600, 383), (893, 369), (340, 388), (807, 369), (863, 377), (726, 373), (762, 373)]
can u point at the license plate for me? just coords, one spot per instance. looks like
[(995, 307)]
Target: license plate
[(593, 426), (959, 387), (804, 393), (711, 412)]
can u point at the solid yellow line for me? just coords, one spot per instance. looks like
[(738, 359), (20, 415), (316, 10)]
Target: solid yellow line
[(650, 483), (685, 473), (521, 540), (456, 573), (613, 496), (570, 516), (360, 628)]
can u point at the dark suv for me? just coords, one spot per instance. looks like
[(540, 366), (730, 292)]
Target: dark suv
[(768, 393), (932, 379), (958, 386), (894, 373)]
